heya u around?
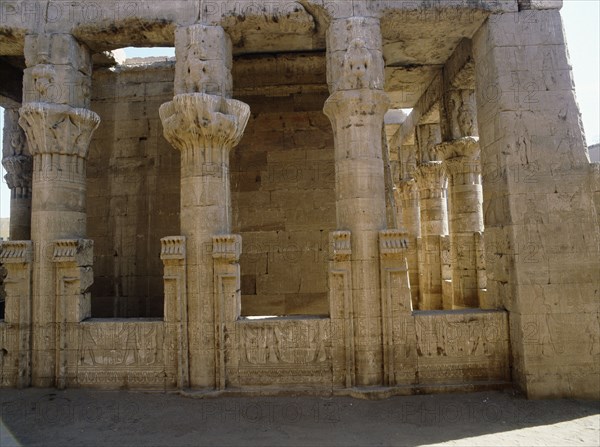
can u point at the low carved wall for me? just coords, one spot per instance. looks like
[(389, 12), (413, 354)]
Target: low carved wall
[(9, 353), (280, 353), (125, 354), (435, 348), (459, 347)]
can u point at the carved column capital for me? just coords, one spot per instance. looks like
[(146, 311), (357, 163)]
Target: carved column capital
[(16, 252), (430, 178), (460, 156), (58, 129), (16, 158), (408, 189), (18, 175), (198, 120), (467, 147)]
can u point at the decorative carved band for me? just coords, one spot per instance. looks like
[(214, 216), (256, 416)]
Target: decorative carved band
[(172, 247), (79, 251), (16, 252), (340, 245), (392, 244), (227, 247)]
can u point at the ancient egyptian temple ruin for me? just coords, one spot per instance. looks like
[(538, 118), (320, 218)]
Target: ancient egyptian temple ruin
[(258, 215)]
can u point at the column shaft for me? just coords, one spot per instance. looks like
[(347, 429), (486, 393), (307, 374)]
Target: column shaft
[(432, 182), (204, 125), (408, 195), (466, 217), (356, 108), (59, 128)]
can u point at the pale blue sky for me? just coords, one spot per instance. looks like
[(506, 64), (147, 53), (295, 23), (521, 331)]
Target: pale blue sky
[(582, 22)]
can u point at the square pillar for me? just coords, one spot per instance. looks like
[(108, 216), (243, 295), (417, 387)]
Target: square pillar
[(541, 221), (17, 259), (173, 256), (73, 276)]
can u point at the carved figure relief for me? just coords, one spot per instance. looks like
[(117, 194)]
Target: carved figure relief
[(122, 345), (196, 79), (466, 115), (297, 344), (463, 122), (357, 61), (43, 79), (454, 104)]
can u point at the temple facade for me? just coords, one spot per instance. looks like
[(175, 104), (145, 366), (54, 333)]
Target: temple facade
[(256, 215)]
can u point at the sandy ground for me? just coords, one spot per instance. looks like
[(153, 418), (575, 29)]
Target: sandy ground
[(95, 418)]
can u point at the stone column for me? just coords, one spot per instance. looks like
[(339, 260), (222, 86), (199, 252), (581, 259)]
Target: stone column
[(466, 216), (17, 161), (204, 124), (355, 70), (408, 197), (56, 88), (431, 180)]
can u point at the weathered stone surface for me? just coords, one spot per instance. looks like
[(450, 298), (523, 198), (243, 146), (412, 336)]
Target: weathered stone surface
[(545, 134), (286, 271)]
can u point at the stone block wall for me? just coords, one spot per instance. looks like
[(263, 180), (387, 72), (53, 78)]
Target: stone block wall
[(133, 190), (283, 199), (284, 207)]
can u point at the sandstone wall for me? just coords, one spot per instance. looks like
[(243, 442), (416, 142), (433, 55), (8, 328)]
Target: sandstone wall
[(284, 205), (133, 190), (282, 182)]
